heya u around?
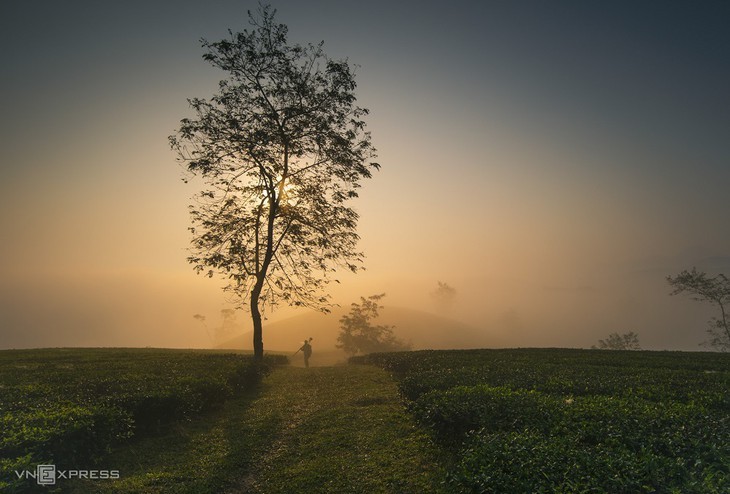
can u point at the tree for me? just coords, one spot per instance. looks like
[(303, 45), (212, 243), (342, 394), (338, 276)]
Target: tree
[(201, 319), (444, 295), (359, 335), (715, 290), (222, 332), (281, 149), (615, 341), (228, 325)]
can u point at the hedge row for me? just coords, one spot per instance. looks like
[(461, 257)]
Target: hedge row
[(573, 421), (70, 407)]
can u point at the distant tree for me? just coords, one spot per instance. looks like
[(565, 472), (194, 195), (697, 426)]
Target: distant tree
[(359, 335), (615, 341), (281, 149), (715, 290), (201, 319), (228, 325), (444, 294)]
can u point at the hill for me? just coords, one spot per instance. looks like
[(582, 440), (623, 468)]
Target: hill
[(521, 415), (424, 330)]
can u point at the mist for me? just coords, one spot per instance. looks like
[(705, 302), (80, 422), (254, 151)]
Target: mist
[(150, 309), (554, 178), (133, 310)]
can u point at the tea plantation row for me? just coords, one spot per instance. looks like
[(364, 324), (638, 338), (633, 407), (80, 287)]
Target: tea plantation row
[(553, 420), (67, 407)]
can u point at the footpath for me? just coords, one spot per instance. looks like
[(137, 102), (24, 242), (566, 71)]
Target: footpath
[(340, 429)]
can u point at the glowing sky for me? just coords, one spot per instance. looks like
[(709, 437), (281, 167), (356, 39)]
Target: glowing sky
[(554, 161)]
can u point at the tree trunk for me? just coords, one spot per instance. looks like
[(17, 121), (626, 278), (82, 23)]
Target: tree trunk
[(258, 341), (262, 270), (724, 321)]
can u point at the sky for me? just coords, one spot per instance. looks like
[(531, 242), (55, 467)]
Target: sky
[(552, 161)]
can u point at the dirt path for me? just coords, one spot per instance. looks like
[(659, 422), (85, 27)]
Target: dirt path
[(340, 430)]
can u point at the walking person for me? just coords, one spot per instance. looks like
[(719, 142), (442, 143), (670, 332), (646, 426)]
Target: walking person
[(306, 350)]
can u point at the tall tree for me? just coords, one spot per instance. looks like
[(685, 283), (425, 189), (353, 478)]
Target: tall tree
[(281, 149), (713, 289)]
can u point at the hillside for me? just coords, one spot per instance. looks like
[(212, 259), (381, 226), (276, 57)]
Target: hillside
[(620, 422), (424, 330), (206, 423)]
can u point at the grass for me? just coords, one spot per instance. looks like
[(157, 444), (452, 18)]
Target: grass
[(326, 430), (534, 420), (345, 430)]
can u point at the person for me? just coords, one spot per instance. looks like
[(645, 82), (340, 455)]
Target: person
[(307, 351)]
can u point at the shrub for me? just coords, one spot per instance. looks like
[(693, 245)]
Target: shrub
[(460, 410), (70, 407), (554, 420)]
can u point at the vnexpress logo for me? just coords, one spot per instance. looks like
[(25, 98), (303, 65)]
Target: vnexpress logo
[(48, 474)]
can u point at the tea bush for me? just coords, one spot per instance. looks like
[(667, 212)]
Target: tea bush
[(556, 420), (68, 407)]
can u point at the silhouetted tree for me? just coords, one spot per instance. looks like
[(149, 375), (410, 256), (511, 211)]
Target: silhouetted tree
[(444, 294), (226, 328), (359, 335), (715, 290), (281, 149), (615, 341), (228, 325), (201, 319)]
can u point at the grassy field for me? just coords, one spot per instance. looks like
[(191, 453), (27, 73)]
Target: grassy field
[(444, 421)]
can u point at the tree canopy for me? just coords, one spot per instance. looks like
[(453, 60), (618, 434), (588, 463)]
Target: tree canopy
[(713, 289), (444, 294), (358, 334), (281, 149), (615, 341)]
